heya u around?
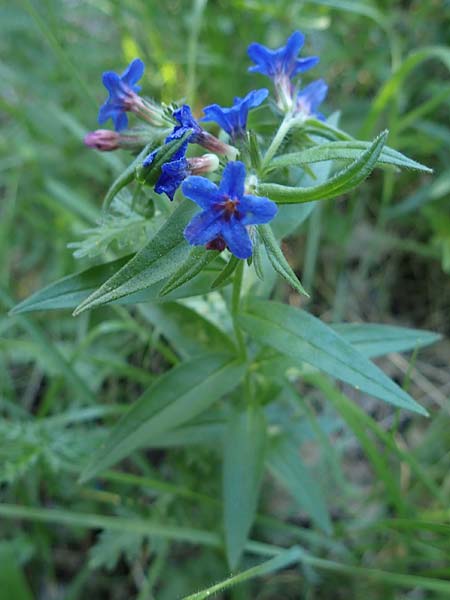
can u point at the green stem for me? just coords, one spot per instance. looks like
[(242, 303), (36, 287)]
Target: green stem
[(278, 139), (235, 305)]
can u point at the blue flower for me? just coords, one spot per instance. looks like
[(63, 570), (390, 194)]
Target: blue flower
[(234, 120), (226, 211), (185, 121), (310, 98), (282, 62), (173, 172), (122, 91)]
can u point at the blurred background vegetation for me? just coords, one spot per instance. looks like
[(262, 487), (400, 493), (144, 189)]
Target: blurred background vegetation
[(381, 254)]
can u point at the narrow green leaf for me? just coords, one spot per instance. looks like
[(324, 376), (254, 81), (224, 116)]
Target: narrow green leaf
[(361, 424), (325, 130), (198, 258), (69, 291), (348, 151), (430, 192), (283, 560), (188, 332), (305, 338), (254, 151), (285, 462), (158, 260), (379, 460), (278, 260), (377, 340), (393, 85), (125, 177), (341, 183), (94, 521), (13, 583), (178, 396), (50, 351), (226, 272), (243, 465)]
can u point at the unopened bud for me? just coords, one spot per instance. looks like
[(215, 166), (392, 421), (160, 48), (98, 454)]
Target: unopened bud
[(212, 143), (129, 139), (103, 139), (203, 164)]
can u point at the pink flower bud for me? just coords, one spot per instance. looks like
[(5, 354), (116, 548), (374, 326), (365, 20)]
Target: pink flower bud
[(102, 139)]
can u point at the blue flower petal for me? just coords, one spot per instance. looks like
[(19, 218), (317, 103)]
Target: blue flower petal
[(172, 175), (293, 45), (311, 97), (120, 121), (133, 73), (107, 111), (203, 228), (237, 239), (281, 62), (263, 57), (233, 180), (233, 120), (111, 81), (255, 98), (258, 210), (186, 121), (304, 64), (202, 191), (216, 113)]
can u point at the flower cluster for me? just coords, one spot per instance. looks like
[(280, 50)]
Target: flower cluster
[(282, 66), (228, 210)]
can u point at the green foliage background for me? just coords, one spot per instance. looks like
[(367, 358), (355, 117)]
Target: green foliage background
[(380, 255)]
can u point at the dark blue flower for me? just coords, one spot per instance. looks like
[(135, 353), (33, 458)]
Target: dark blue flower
[(173, 172), (122, 91), (282, 62), (310, 98), (234, 120), (226, 211), (185, 121)]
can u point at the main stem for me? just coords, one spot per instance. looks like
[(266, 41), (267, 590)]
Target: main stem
[(235, 305), (283, 129)]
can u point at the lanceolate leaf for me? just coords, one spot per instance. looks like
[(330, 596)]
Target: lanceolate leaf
[(286, 463), (305, 338), (243, 464), (325, 130), (69, 291), (188, 332), (226, 272), (198, 258), (348, 151), (177, 397), (158, 260), (378, 340), (344, 181), (278, 260)]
